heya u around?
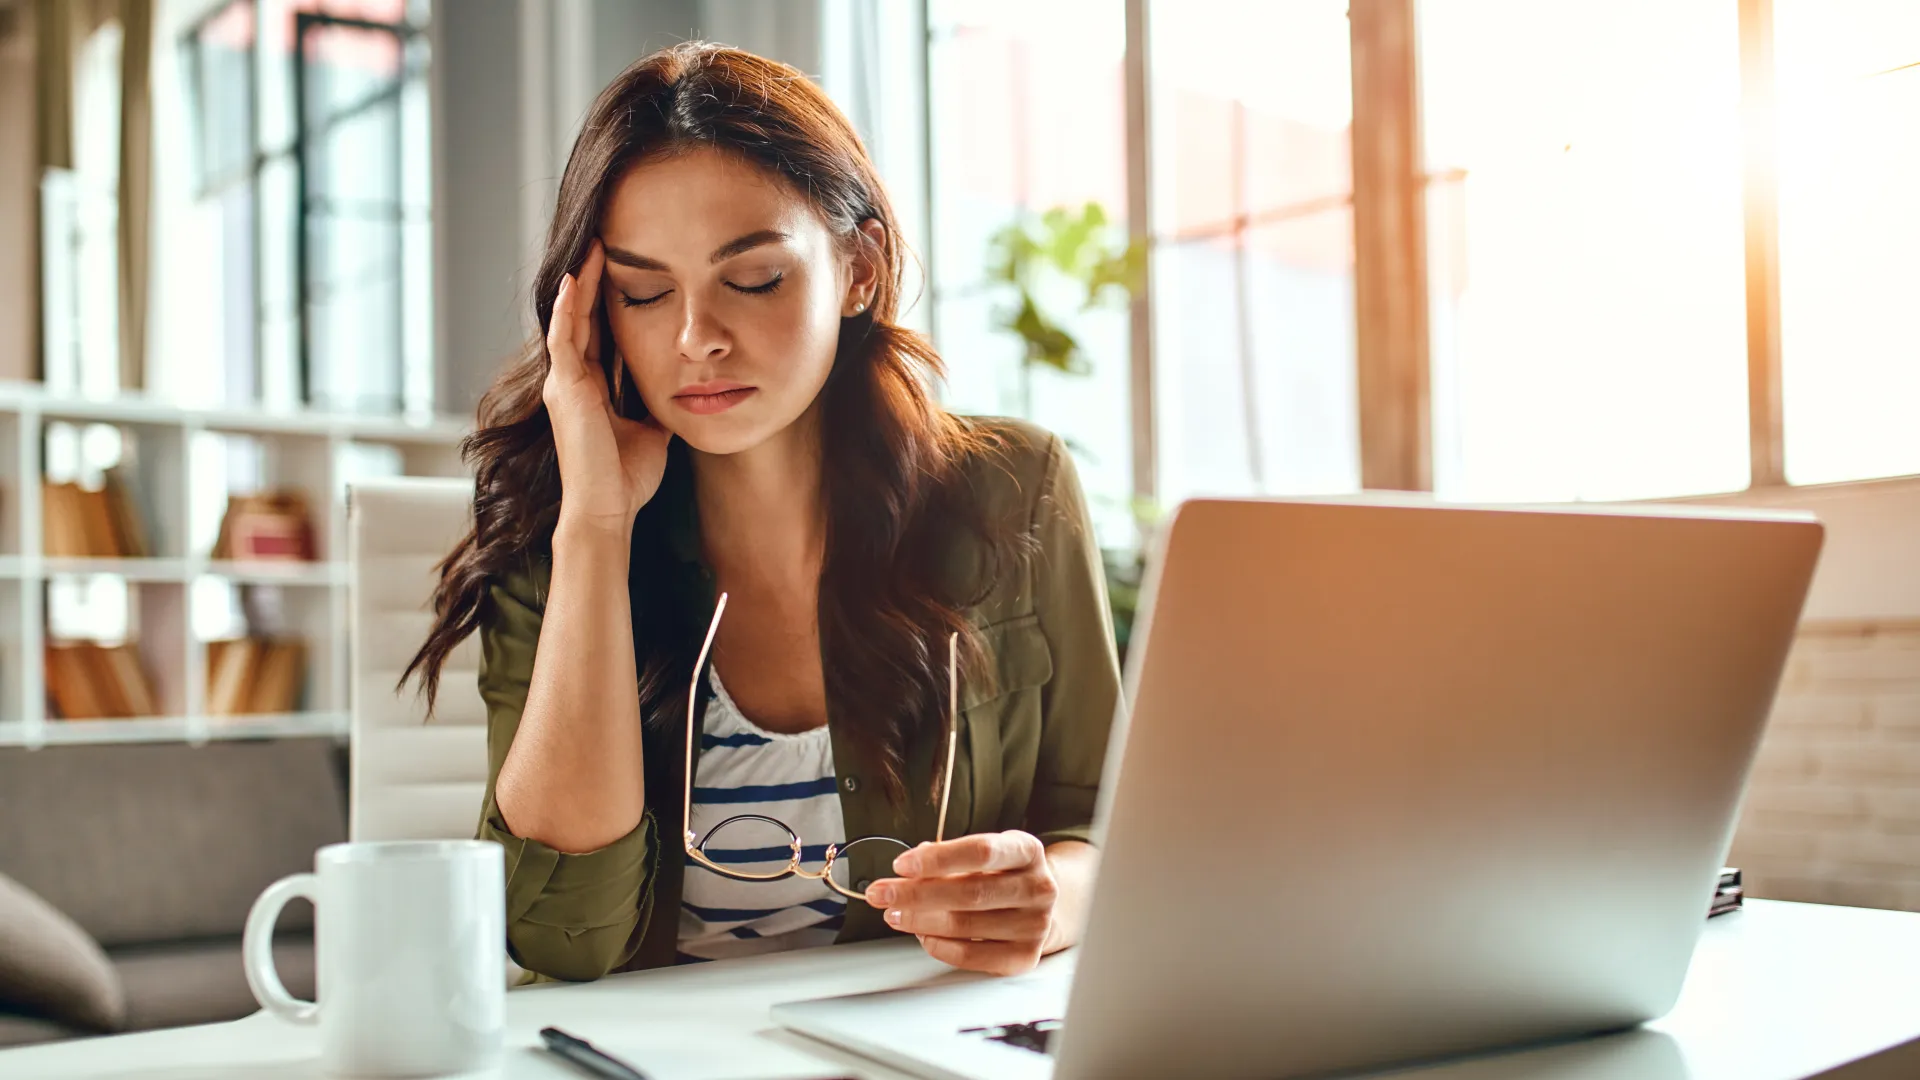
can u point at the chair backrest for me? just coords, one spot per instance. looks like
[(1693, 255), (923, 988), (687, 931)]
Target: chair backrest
[(411, 778)]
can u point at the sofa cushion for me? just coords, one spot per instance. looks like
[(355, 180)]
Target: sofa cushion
[(49, 966), (203, 982), (162, 841), (16, 1030)]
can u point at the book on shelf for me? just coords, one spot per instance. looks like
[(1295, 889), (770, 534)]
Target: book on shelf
[(96, 523), (89, 681), (130, 680), (129, 536), (1728, 894), (63, 521), (277, 679), (82, 523), (273, 526), (254, 676), (71, 685), (230, 667)]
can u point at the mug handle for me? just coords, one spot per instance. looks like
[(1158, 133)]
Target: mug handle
[(256, 950)]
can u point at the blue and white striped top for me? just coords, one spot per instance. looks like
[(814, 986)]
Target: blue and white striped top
[(745, 770)]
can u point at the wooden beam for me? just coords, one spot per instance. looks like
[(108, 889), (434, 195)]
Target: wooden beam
[(1140, 328), (1390, 249), (1766, 415)]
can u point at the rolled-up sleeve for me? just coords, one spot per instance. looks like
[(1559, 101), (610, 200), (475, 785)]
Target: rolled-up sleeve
[(570, 916), (1078, 702)]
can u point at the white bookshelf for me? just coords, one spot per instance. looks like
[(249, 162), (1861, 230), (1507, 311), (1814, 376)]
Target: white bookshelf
[(180, 467)]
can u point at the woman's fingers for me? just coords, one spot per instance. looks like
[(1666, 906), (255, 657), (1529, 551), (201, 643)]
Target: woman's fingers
[(980, 853), (590, 269), (983, 902), (990, 957), (560, 323), (1007, 924), (967, 892), (563, 332), (610, 466), (585, 300), (571, 342)]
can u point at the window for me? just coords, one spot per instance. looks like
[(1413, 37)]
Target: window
[(1848, 90), (1586, 251), (204, 228), (1028, 114), (80, 216), (363, 266), (1253, 248), (311, 120), (1588, 229), (311, 152)]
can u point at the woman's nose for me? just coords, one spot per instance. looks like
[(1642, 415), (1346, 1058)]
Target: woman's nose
[(702, 335)]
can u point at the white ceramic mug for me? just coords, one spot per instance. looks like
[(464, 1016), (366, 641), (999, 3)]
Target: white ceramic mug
[(410, 943)]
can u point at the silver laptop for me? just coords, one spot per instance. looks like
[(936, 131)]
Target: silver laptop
[(1401, 780)]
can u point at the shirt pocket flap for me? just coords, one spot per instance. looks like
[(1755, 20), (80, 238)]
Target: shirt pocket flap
[(1021, 658)]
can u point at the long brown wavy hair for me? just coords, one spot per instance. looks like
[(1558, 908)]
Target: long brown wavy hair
[(894, 461)]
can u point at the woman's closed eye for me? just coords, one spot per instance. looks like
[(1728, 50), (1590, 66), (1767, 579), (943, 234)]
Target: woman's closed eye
[(759, 289)]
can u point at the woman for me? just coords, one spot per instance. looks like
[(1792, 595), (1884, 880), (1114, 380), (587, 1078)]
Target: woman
[(722, 406)]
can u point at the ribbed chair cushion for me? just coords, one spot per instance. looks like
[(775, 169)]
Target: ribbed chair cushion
[(413, 778)]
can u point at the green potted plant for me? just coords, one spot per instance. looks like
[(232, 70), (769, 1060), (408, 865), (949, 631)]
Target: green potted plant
[(1074, 255), (1080, 260)]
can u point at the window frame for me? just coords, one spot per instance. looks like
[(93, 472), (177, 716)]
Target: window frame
[(1388, 203), (293, 151), (1766, 410), (1393, 362)]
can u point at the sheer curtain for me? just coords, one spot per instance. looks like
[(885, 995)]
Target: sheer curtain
[(66, 34)]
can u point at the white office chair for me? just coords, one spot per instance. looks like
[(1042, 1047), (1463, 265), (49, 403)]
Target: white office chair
[(411, 778)]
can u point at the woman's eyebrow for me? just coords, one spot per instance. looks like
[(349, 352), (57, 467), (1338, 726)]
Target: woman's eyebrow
[(622, 257), (746, 243)]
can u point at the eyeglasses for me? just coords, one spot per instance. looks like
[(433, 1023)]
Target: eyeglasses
[(697, 848)]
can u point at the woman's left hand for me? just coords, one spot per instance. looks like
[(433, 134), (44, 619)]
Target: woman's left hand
[(981, 903)]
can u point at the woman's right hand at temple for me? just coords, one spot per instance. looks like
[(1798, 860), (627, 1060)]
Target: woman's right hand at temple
[(573, 777), (610, 465)]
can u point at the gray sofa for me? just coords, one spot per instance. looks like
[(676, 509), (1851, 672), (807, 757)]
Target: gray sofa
[(157, 851)]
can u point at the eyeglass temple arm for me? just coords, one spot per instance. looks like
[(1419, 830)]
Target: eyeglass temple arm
[(953, 732), (953, 722), (693, 695)]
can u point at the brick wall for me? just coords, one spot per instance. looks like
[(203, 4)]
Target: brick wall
[(1833, 811)]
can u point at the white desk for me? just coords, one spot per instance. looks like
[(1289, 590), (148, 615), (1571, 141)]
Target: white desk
[(1777, 991)]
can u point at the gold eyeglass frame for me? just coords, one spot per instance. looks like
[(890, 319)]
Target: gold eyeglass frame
[(696, 848)]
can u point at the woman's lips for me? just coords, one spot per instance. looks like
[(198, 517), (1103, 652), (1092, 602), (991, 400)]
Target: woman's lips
[(706, 399)]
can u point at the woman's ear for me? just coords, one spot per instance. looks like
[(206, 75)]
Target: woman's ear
[(868, 262)]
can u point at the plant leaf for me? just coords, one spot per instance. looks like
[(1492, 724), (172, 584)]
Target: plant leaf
[(1048, 343), (1084, 246)]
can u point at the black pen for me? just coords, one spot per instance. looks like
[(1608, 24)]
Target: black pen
[(582, 1053)]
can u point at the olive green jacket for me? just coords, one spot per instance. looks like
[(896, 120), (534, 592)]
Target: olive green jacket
[(1033, 738)]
